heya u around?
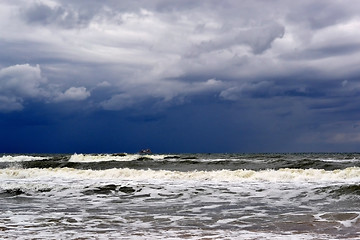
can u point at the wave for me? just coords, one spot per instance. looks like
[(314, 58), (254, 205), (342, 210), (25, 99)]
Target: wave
[(341, 160), (85, 158), (21, 158), (281, 175), (180, 162), (337, 191)]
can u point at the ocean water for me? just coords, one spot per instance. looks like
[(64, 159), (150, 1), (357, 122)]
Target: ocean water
[(181, 196)]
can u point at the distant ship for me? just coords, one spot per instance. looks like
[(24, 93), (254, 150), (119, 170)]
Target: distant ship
[(145, 151)]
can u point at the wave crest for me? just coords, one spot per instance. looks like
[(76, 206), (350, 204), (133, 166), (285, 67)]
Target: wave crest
[(281, 175)]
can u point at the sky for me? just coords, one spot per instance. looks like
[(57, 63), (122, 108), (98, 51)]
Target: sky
[(179, 76)]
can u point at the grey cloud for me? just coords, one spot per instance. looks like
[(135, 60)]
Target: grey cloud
[(333, 50), (73, 94), (259, 38), (165, 93), (10, 103), (321, 14), (63, 16), (20, 82), (252, 89), (23, 80), (118, 102), (332, 96)]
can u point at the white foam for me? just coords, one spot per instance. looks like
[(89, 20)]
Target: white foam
[(340, 160), (169, 234), (229, 209), (281, 175), (111, 157), (350, 222), (21, 158)]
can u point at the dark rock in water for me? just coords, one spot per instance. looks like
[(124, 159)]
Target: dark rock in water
[(119, 154), (107, 189), (126, 189), (16, 191), (3, 228), (44, 190), (172, 157)]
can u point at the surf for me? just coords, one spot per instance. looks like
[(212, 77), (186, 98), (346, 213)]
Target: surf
[(281, 175)]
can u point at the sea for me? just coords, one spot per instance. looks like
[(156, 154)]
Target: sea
[(180, 196)]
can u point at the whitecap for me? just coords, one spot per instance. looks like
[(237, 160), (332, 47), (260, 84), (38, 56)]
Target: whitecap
[(21, 158), (281, 175)]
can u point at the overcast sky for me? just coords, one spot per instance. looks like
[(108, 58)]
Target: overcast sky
[(179, 76)]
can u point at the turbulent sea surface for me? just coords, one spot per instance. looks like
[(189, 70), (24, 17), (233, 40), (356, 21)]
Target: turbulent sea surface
[(182, 196)]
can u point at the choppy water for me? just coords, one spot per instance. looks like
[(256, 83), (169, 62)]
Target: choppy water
[(186, 196)]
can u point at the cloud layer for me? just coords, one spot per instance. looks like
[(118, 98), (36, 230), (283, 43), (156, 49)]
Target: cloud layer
[(285, 60)]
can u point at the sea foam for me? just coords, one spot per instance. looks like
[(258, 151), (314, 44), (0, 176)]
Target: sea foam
[(111, 157), (21, 158), (281, 175)]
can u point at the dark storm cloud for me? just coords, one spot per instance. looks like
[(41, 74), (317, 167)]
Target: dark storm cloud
[(325, 52), (43, 14), (321, 14), (269, 64)]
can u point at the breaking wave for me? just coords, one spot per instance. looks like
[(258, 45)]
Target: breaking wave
[(281, 175), (21, 158), (86, 158)]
